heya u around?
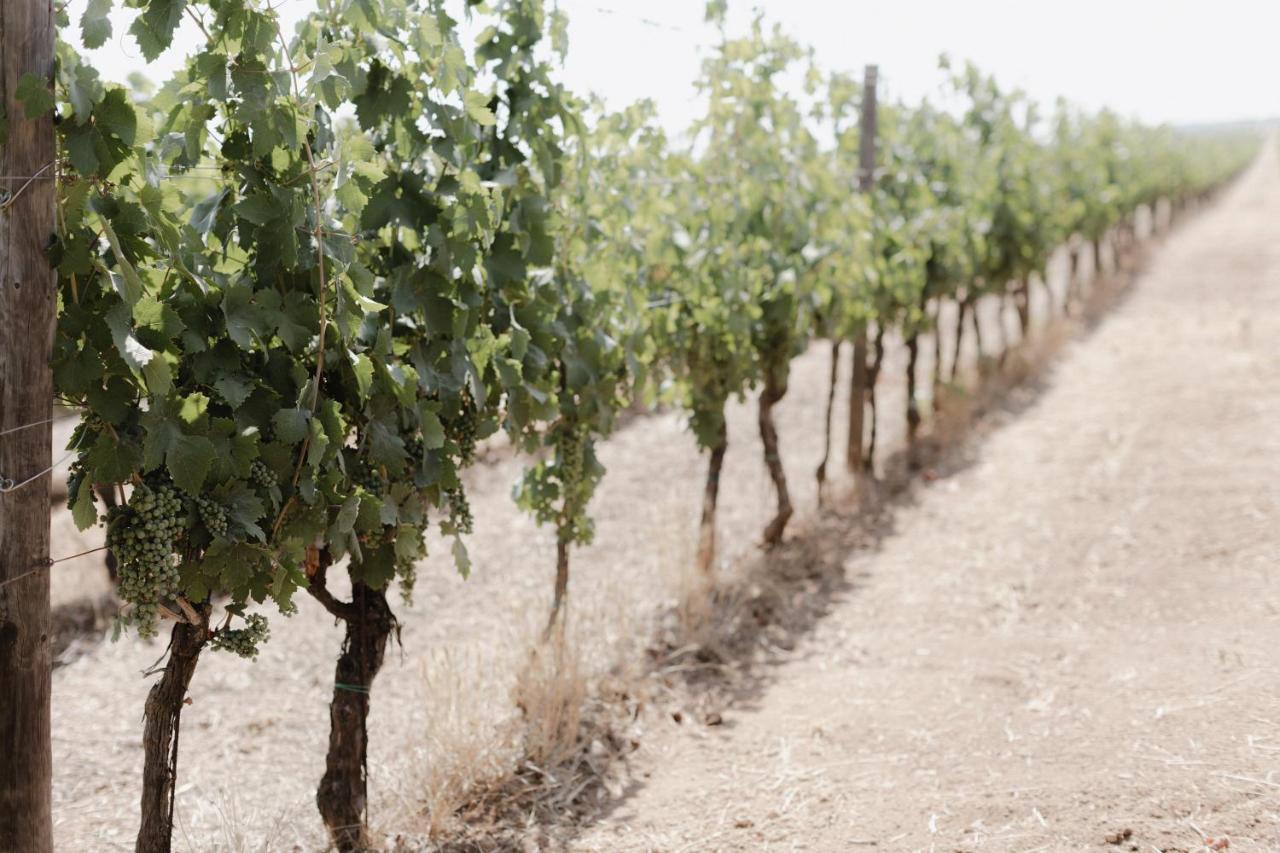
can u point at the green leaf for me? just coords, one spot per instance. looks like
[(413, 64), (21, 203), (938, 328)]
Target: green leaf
[(159, 434), (154, 28), (82, 151), (245, 509), (318, 445), (83, 510), (362, 367), (291, 425), (188, 461), (259, 209), (204, 213), (242, 315), (120, 321), (432, 430), (132, 288), (233, 390), (193, 409), (461, 559), (157, 375), (34, 94), (345, 522), (386, 448), (84, 90), (110, 461), (95, 24), (478, 109)]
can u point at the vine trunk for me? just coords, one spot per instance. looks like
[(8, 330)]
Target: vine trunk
[(857, 404), (562, 584), (710, 496), (831, 404), (913, 407), (343, 793), (163, 716), (961, 315), (873, 375), (775, 388), (1022, 302)]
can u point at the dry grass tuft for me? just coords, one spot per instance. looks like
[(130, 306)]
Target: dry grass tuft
[(460, 753), (551, 693), (498, 776)]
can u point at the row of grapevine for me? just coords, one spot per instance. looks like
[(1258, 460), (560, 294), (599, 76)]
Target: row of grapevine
[(302, 279)]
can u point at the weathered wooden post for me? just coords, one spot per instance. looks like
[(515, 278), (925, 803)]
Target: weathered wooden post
[(27, 311)]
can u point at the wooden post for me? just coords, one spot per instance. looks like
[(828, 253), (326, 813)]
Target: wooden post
[(27, 311), (866, 182)]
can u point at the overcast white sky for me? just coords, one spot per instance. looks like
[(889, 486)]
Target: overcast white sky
[(1179, 61)]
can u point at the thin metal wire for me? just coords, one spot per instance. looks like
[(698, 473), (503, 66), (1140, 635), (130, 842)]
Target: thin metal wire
[(648, 22), (26, 426), (75, 556), (25, 574), (7, 484), (50, 564)]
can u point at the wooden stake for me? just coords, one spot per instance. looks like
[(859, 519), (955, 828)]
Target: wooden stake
[(27, 312)]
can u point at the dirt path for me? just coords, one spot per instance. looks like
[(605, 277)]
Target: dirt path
[(1074, 638)]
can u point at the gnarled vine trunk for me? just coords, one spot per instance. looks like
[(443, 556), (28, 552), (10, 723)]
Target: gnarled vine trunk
[(1004, 328), (913, 407), (977, 335), (162, 719), (1072, 293), (831, 404), (710, 496), (857, 404), (775, 388), (562, 584), (1096, 242), (936, 383), (342, 797), (961, 315), (1022, 302), (873, 374)]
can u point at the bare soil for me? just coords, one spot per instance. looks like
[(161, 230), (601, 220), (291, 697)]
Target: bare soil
[(1071, 636)]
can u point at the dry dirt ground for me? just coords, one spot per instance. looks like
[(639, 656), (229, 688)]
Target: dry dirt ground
[(1071, 644), (1070, 637)]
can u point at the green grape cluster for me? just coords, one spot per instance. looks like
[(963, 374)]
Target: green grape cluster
[(142, 535), (214, 516), (460, 518), (75, 478), (463, 431), (369, 476), (243, 641), (576, 485), (262, 476), (572, 450), (415, 449)]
